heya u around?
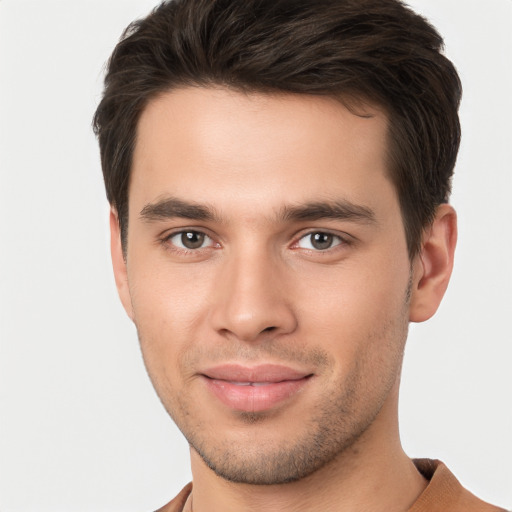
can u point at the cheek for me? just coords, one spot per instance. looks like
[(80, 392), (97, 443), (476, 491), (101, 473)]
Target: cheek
[(356, 306), (167, 298), (168, 308), (364, 328)]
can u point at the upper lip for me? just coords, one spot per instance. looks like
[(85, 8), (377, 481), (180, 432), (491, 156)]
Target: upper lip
[(258, 373)]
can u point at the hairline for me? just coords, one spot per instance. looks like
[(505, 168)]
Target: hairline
[(351, 100)]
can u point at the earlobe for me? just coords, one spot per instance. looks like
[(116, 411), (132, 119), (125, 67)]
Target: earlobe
[(119, 263), (432, 267)]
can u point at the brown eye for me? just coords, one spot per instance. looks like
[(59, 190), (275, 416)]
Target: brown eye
[(319, 241), (190, 240)]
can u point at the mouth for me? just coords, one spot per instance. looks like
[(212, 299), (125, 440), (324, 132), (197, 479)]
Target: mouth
[(254, 389)]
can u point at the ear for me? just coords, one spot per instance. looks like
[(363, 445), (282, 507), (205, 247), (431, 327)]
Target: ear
[(119, 263), (432, 268)]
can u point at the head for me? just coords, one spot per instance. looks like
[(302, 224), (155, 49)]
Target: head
[(369, 51), (277, 172)]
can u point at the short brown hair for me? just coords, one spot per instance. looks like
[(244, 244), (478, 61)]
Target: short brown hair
[(376, 51)]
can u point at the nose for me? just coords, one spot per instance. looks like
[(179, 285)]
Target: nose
[(252, 300)]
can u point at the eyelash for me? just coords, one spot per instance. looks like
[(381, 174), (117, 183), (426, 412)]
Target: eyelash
[(166, 241), (339, 239)]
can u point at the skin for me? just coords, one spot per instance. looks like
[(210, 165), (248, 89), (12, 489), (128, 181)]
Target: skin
[(258, 289)]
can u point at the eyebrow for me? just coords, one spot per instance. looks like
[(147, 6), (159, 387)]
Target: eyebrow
[(171, 207), (337, 210)]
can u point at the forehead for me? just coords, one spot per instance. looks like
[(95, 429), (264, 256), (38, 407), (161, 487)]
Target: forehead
[(212, 144)]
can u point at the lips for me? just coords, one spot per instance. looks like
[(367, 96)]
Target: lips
[(254, 389)]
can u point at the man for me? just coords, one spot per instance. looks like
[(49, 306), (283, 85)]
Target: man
[(279, 173)]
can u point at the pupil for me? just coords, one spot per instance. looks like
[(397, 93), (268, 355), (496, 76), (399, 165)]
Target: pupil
[(321, 241), (192, 239)]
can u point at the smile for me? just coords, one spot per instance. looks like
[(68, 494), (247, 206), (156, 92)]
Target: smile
[(254, 389), (250, 383)]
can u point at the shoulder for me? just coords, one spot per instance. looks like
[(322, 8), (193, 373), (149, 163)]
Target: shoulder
[(444, 492)]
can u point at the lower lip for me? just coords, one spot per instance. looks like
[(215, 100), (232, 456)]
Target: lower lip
[(256, 398)]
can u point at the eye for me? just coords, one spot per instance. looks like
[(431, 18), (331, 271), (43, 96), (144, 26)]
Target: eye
[(319, 241), (190, 240)]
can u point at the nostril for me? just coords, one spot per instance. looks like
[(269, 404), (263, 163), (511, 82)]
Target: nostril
[(269, 329)]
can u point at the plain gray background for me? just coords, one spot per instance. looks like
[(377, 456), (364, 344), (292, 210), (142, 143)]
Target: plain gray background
[(80, 426)]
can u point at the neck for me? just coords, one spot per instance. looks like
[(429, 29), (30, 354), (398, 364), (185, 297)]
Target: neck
[(374, 474)]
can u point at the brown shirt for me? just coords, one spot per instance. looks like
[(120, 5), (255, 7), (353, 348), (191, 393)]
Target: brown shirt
[(443, 494)]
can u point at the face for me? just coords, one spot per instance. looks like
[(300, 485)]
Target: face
[(268, 276)]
